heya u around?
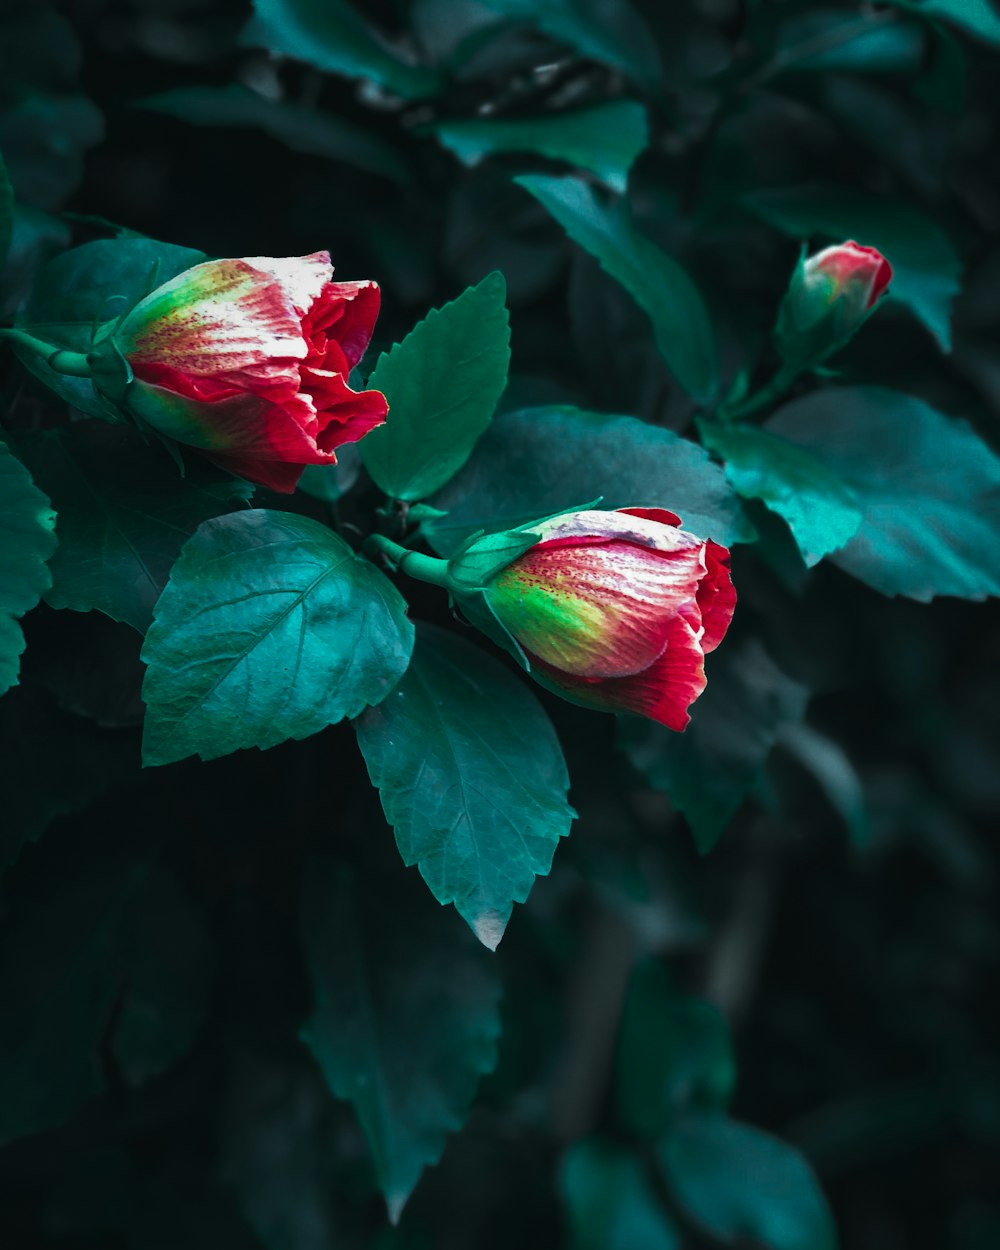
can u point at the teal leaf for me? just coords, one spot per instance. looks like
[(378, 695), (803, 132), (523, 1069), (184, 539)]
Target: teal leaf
[(511, 477), (269, 628), (300, 128), (405, 1020), (608, 31), (819, 508), (330, 482), (471, 777), (926, 266), (975, 17), (709, 769), (835, 775), (331, 35), (6, 211), (840, 39), (674, 1054), (89, 284), (124, 514), (605, 138), (738, 1182), (442, 383), (609, 1202), (657, 283), (27, 541), (927, 485)]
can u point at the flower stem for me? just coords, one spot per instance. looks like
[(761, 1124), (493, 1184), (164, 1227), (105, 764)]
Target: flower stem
[(769, 394), (73, 364), (414, 563)]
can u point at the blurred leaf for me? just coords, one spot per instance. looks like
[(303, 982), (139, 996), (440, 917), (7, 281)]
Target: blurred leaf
[(331, 482), (87, 285), (35, 237), (331, 35), (44, 138), (511, 477), (300, 128), (674, 1054), (471, 777), (927, 485), (976, 17), (708, 770), (926, 265), (609, 31), (609, 1202), (406, 1018), (605, 138), (6, 212), (740, 1183), (124, 514), (839, 39), (442, 383), (819, 508), (27, 541), (655, 281), (269, 628), (827, 761)]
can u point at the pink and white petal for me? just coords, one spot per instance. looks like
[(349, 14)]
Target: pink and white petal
[(716, 596), (597, 610), (217, 317), (625, 525), (301, 277)]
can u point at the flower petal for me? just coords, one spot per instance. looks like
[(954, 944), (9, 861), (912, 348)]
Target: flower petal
[(302, 278), (340, 324), (644, 527), (716, 596)]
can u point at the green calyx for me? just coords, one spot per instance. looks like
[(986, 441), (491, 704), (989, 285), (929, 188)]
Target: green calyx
[(815, 320)]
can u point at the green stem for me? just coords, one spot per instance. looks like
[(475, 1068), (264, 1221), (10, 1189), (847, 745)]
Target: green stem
[(73, 364), (413, 563), (769, 394)]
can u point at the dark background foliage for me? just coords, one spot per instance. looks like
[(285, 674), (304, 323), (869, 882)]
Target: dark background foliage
[(846, 923)]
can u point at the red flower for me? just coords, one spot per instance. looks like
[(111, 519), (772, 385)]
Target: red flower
[(248, 360), (849, 270), (615, 610)]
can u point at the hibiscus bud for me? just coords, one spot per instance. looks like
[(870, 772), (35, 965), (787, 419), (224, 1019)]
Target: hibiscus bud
[(247, 360), (614, 610), (829, 298)]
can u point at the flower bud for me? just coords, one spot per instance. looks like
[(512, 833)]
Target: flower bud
[(247, 360), (613, 610), (829, 298)]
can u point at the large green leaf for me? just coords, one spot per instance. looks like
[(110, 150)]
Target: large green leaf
[(541, 460), (655, 281), (708, 770), (406, 1017), (842, 39), (471, 778), (269, 628), (927, 485), (331, 35), (609, 31), (605, 138), (442, 383), (674, 1053), (977, 17), (27, 540), (820, 508), (926, 265), (609, 1202), (6, 211), (124, 514), (740, 1183), (300, 128), (89, 284)]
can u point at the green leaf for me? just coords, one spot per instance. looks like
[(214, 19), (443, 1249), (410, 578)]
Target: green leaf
[(655, 281), (89, 284), (836, 776), (300, 128), (406, 1017), (608, 31), (331, 35), (605, 138), (27, 540), (926, 265), (838, 39), (708, 770), (442, 383), (330, 482), (609, 1202), (471, 777), (927, 485), (976, 17), (6, 211), (269, 628), (820, 509), (124, 514), (538, 461), (740, 1183), (674, 1054)]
